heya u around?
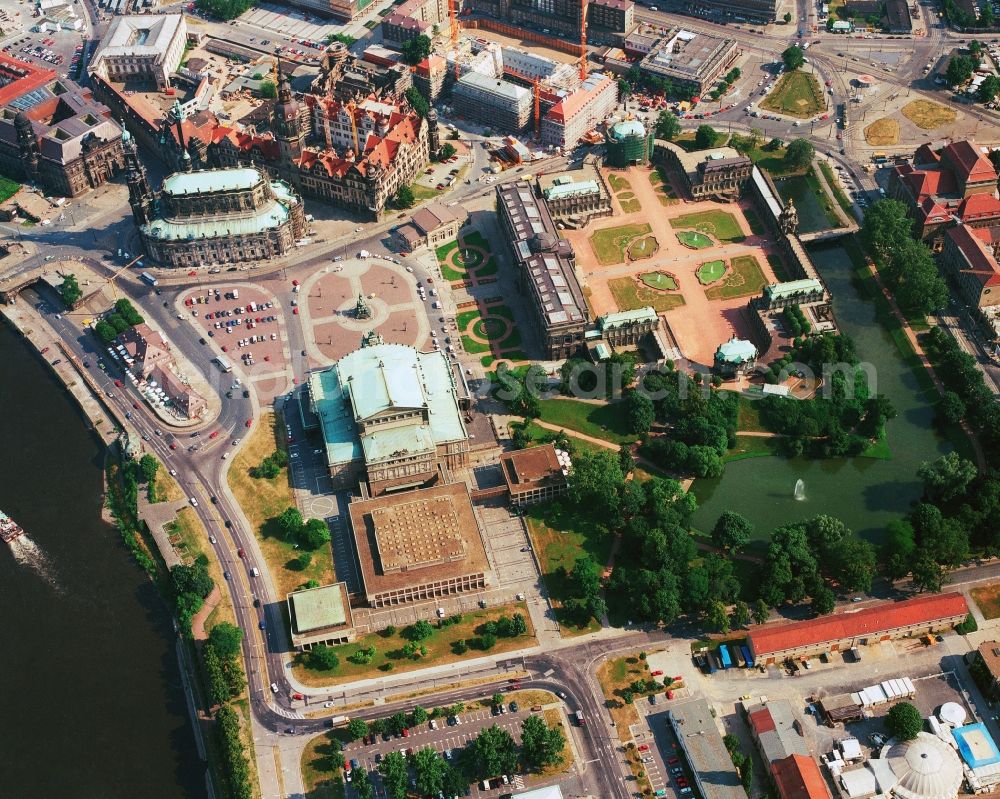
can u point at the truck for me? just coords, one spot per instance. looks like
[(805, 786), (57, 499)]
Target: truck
[(148, 278), (727, 662), (579, 718)]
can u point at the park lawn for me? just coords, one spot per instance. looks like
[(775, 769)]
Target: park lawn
[(616, 675), (473, 346), (610, 243), (263, 499), (771, 161), (751, 447), (618, 183), (838, 193), (8, 188), (630, 295), (777, 264), (559, 536), (882, 132), (439, 649), (167, 488), (745, 279), (555, 719), (720, 224), (607, 421), (748, 417), (630, 206), (987, 597), (927, 115), (464, 318), (190, 540), (542, 435), (318, 778), (421, 193), (797, 94), (644, 247)]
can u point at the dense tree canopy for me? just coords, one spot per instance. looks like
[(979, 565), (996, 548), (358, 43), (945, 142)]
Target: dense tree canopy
[(793, 57), (904, 721)]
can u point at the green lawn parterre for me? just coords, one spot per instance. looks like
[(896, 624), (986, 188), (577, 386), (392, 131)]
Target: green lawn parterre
[(609, 244), (710, 272), (797, 94), (630, 295), (745, 279), (720, 224)]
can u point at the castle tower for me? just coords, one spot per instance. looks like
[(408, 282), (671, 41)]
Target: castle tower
[(140, 195), (433, 135), (789, 219), (176, 116), (285, 122), (27, 145)]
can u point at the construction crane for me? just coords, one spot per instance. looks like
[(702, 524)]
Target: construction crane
[(583, 40), (538, 111), (454, 33), (111, 280)]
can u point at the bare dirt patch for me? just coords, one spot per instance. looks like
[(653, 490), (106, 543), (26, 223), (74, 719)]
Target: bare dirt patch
[(927, 115), (882, 132)]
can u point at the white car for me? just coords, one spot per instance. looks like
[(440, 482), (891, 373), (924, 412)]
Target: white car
[(212, 540), (328, 704), (173, 472), (409, 269), (194, 502)]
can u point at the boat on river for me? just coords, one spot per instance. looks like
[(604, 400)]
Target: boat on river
[(9, 529)]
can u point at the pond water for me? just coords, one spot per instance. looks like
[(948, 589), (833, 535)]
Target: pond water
[(865, 493), (812, 217)]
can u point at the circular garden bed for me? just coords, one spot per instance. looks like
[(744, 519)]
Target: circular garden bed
[(644, 247), (694, 239), (661, 281), (711, 271)]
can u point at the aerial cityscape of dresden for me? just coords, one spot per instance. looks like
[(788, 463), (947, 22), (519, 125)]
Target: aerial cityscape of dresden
[(508, 399)]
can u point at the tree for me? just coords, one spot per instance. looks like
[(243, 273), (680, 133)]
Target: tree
[(313, 534), (668, 127), (493, 752), (193, 579), (705, 137), (947, 477), (800, 154), (418, 715), (417, 101), (268, 90), (289, 522), (741, 614), (405, 197), (362, 783), (419, 631), (787, 17), (732, 531), (322, 658), (823, 600), (447, 151), (988, 89), (793, 58), (540, 746), (718, 617), (225, 639), (761, 611), (416, 49), (960, 69), (336, 761), (149, 466), (105, 332), (624, 89), (356, 728), (854, 564), (430, 769), (394, 774), (927, 574), (70, 291), (640, 412), (904, 721)]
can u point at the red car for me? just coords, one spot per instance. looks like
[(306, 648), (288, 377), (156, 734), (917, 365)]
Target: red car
[(214, 434), (673, 761), (118, 383), (192, 273), (657, 673), (643, 748), (241, 553), (297, 696), (295, 310), (173, 445), (135, 405), (249, 422), (44, 350), (295, 282), (430, 280), (682, 782), (406, 733)]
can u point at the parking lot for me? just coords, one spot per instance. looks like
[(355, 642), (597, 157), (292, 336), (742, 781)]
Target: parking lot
[(446, 739), (245, 323)]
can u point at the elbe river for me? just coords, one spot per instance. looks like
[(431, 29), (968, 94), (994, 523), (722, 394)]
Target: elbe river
[(91, 703)]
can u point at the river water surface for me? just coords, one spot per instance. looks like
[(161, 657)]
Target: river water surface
[(91, 703)]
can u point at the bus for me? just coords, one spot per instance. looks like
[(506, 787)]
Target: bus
[(727, 662), (223, 364), (879, 158), (148, 278)]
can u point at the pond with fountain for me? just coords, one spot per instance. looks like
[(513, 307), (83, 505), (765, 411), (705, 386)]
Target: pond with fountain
[(866, 493)]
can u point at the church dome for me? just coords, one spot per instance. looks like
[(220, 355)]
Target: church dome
[(926, 768)]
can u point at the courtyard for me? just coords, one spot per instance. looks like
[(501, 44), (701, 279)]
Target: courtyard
[(707, 261), (329, 299), (489, 330), (468, 258)]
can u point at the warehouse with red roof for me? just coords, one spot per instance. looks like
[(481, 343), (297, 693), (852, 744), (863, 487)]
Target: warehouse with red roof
[(772, 643)]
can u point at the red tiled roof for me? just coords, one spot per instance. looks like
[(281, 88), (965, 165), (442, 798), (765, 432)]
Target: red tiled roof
[(798, 777), (966, 159), (762, 722), (569, 105), (981, 263), (868, 622), (979, 207), (925, 155), (930, 211), (20, 77)]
